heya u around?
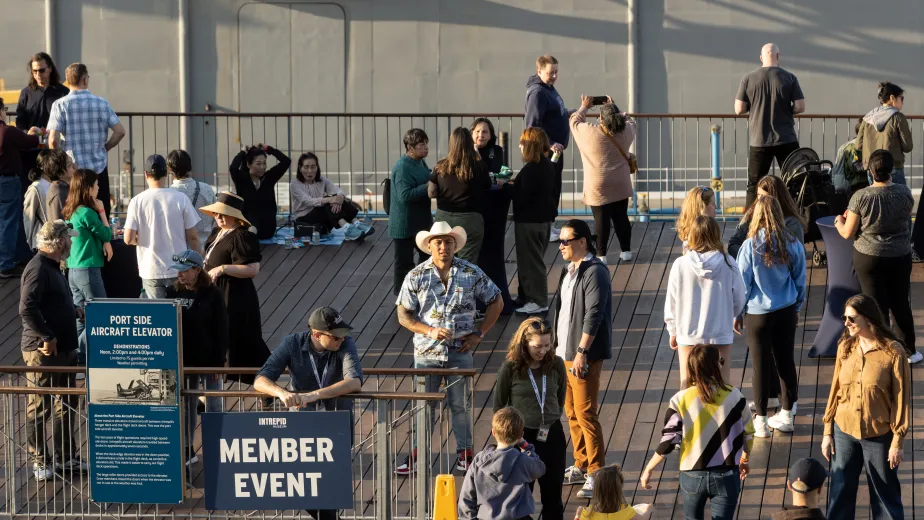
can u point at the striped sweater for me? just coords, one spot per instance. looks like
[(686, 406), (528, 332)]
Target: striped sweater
[(709, 435)]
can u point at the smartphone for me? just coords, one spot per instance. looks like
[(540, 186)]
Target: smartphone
[(599, 100)]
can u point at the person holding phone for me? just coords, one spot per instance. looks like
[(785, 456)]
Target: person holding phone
[(581, 318)]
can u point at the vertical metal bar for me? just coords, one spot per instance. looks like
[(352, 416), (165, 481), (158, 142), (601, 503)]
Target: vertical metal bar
[(422, 435), (383, 509)]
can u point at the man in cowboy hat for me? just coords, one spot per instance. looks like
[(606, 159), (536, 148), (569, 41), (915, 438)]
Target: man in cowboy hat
[(160, 221), (437, 304)]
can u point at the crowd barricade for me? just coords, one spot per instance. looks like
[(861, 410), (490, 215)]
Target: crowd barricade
[(357, 151), (390, 415)]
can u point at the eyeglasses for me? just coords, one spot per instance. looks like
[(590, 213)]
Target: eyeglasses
[(849, 319), (39, 71)]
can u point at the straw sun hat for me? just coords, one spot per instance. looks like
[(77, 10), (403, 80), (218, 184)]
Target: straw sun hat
[(227, 204)]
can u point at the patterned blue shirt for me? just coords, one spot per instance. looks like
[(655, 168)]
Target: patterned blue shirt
[(85, 120), (450, 307)]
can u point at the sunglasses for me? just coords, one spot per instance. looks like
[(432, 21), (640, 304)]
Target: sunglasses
[(329, 335), (567, 241), (39, 71), (539, 325), (185, 261), (849, 319)]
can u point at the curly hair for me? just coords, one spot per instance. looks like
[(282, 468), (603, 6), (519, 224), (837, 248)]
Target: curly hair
[(867, 307), (768, 217), (694, 205), (518, 350), (462, 157)]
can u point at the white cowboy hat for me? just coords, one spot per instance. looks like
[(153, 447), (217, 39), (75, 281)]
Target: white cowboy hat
[(441, 229)]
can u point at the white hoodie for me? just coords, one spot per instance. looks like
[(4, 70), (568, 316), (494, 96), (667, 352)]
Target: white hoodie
[(705, 292)]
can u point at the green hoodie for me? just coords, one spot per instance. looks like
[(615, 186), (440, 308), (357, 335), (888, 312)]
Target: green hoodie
[(87, 246)]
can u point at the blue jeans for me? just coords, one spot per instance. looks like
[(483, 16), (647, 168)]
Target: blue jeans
[(10, 220), (86, 283), (898, 176), (851, 455), (720, 487), (458, 392), (157, 289)]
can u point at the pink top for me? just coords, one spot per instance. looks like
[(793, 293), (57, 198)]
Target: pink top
[(606, 172)]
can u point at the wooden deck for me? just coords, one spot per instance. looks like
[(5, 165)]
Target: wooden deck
[(636, 383)]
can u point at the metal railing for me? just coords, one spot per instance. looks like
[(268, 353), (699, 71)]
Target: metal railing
[(357, 151), (390, 416)]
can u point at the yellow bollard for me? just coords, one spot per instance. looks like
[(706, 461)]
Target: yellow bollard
[(444, 503)]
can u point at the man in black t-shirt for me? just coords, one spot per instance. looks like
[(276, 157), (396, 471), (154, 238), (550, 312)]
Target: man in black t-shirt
[(771, 96)]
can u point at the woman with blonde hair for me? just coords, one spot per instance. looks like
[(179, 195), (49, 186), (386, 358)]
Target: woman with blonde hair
[(532, 380), (699, 201), (711, 426), (459, 184), (772, 263), (705, 292), (534, 207), (868, 413)]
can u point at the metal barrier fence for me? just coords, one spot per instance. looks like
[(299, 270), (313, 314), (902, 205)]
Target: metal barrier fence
[(357, 151), (390, 416)]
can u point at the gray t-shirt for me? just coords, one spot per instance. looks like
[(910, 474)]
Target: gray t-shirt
[(884, 220), (770, 93)]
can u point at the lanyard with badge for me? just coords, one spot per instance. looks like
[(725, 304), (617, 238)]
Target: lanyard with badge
[(543, 428), (319, 378)]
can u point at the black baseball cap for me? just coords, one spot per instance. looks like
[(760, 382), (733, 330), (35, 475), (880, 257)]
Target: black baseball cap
[(807, 475), (155, 164), (326, 319)]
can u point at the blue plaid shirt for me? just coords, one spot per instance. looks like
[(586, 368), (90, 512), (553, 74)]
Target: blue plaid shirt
[(85, 120), (450, 307)]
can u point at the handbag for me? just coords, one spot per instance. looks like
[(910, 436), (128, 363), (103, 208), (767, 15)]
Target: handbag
[(386, 195), (630, 158)]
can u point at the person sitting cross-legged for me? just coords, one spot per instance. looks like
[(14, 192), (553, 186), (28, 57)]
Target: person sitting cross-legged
[(318, 201)]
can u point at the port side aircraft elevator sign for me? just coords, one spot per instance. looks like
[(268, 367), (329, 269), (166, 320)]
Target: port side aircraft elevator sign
[(134, 376), (277, 460)]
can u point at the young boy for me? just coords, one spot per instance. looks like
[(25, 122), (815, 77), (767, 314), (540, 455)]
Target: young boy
[(806, 478), (497, 484)]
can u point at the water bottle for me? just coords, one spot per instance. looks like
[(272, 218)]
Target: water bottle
[(114, 223), (315, 237)]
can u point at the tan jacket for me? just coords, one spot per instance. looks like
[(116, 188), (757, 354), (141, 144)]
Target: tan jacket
[(870, 394), (606, 171), (894, 137)]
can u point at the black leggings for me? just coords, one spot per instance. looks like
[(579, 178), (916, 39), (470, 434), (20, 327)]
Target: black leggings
[(617, 212), (324, 217), (771, 336), (552, 453), (888, 280), (760, 159)]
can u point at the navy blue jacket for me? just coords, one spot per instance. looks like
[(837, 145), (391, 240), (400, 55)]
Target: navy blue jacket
[(545, 109)]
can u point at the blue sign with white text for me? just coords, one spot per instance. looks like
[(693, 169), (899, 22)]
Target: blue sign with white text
[(277, 460), (135, 425)]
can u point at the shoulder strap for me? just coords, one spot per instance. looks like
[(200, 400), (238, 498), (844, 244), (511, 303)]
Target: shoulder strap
[(196, 194), (623, 152)]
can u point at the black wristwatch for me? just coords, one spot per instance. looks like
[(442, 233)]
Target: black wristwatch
[(581, 350)]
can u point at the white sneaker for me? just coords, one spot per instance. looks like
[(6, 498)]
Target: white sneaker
[(773, 402), (532, 308), (761, 429), (782, 421), (554, 235), (625, 256), (41, 472), (602, 259), (574, 475), (587, 490), (915, 358)]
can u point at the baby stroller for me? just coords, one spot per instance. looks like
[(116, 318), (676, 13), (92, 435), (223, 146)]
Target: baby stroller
[(808, 180)]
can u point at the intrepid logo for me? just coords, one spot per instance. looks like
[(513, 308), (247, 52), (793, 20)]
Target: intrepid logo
[(275, 422)]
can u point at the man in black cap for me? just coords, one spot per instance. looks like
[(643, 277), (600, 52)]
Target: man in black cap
[(160, 221), (322, 362), (806, 478)]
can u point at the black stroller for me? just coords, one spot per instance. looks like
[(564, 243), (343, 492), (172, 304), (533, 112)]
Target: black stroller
[(808, 180)]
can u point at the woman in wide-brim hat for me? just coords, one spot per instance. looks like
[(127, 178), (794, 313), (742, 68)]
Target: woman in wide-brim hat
[(232, 260)]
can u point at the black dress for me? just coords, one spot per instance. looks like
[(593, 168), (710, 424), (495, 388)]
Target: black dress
[(246, 347)]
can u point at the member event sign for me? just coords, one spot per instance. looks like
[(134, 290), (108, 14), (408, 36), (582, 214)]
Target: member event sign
[(277, 460), (134, 379)]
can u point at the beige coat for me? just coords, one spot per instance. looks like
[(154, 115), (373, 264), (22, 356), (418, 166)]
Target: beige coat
[(606, 171)]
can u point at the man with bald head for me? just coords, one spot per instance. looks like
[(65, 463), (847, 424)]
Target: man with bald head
[(771, 96)]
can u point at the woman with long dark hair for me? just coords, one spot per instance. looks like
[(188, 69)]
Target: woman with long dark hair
[(319, 202), (607, 184), (886, 128), (532, 380), (868, 413), (491, 153), (711, 425), (772, 263), (52, 169), (772, 186), (257, 185), (877, 218), (90, 248), (459, 184)]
